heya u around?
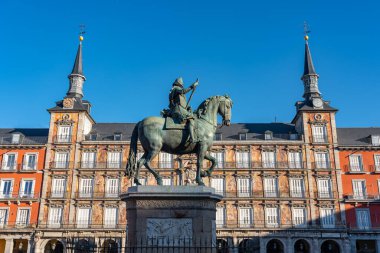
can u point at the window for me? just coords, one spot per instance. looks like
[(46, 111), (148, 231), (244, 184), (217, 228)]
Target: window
[(166, 160), (64, 134), (83, 217), (299, 217), (93, 136), (110, 217), (245, 216), (327, 217), (30, 162), (88, 160), (268, 135), (142, 180), (324, 188), (117, 137), (6, 188), (377, 162), (9, 161), (359, 189), (218, 137), (58, 187), (166, 181), (270, 187), (3, 217), (322, 160), (23, 215), (244, 187), (375, 140), (220, 216), (356, 164), (16, 138), (219, 157), (242, 136), (297, 188), (138, 157), (218, 185), (27, 188), (55, 217), (242, 159), (85, 188), (319, 133), (269, 159), (114, 160), (271, 217), (363, 220), (112, 187), (295, 160), (293, 137), (61, 160)]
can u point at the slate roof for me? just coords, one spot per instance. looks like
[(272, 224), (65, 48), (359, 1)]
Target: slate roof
[(254, 131), (29, 136), (356, 136), (308, 65)]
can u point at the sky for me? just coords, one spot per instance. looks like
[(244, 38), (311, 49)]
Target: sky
[(133, 51)]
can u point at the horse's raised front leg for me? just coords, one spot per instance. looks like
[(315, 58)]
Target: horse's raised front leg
[(208, 172), (149, 157), (200, 155)]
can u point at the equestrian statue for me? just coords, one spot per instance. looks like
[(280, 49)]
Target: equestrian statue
[(179, 131)]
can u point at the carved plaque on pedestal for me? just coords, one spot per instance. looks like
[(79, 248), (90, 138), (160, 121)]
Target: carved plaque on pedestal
[(170, 231)]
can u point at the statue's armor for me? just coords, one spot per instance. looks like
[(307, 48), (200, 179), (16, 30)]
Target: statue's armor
[(178, 103)]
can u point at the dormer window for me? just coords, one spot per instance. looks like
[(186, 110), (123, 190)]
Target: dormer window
[(93, 136), (16, 138), (117, 137), (242, 136), (218, 137), (375, 140), (268, 135), (293, 137)]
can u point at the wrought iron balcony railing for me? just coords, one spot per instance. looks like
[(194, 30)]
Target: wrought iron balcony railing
[(265, 165), (82, 225), (21, 167), (322, 165), (5, 225), (263, 224), (62, 165), (361, 197), (324, 195), (4, 195), (63, 139)]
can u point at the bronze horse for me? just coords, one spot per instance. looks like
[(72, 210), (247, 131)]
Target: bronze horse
[(155, 138)]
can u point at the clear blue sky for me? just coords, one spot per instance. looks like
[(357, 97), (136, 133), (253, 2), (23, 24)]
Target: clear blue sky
[(133, 50)]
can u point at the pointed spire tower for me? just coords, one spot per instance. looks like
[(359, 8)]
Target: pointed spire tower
[(76, 77), (309, 78)]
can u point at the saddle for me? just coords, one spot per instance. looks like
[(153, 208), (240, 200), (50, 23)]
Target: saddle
[(174, 123)]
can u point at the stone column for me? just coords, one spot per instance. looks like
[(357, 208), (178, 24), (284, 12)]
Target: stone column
[(315, 246), (262, 246), (350, 244), (8, 245), (377, 246), (289, 245), (30, 246)]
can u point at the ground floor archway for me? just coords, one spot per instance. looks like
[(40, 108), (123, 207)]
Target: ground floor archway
[(221, 246), (2, 245), (53, 246), (20, 246), (301, 246), (275, 246), (365, 246), (330, 246), (249, 246), (109, 246)]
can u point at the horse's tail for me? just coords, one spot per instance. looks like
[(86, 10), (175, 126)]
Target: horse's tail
[(131, 164)]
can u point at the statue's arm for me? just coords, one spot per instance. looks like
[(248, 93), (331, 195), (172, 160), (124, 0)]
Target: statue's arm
[(184, 91)]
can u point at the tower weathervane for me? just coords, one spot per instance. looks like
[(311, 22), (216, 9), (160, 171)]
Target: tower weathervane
[(81, 32), (306, 30)]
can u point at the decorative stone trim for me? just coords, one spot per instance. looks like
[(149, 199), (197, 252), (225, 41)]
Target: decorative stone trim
[(242, 148), (268, 148), (170, 203)]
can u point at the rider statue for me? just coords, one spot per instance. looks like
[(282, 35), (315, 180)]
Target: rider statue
[(178, 106)]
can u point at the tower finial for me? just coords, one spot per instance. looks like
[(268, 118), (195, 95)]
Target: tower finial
[(81, 32), (306, 31)]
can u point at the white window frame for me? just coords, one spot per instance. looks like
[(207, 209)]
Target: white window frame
[(295, 160), (245, 217), (112, 187), (9, 166), (55, 217), (61, 160), (22, 191), (58, 189), (272, 216), (324, 187), (110, 222), (323, 163), (319, 133), (244, 186), (271, 190), (89, 159), (16, 138), (26, 165), (219, 157), (269, 159), (64, 133), (25, 220), (356, 163), (85, 221), (142, 180), (327, 219), (165, 160), (243, 159), (366, 225), (297, 187), (218, 183), (168, 181), (4, 216), (299, 221), (376, 159), (359, 188), (86, 187), (220, 218), (8, 194), (375, 139), (114, 159)]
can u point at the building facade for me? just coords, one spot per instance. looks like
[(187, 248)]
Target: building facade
[(287, 187)]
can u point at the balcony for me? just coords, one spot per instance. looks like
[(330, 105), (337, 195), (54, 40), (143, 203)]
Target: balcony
[(19, 196), (262, 194), (324, 195), (265, 165), (361, 198), (63, 165), (97, 195), (263, 225), (118, 226), (17, 226), (357, 169), (22, 167), (320, 138), (322, 166), (62, 139)]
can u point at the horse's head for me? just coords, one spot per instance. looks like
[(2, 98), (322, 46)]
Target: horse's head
[(225, 106)]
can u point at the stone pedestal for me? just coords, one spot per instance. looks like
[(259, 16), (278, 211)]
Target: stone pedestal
[(171, 216)]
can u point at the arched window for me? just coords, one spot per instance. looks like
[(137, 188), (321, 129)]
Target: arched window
[(275, 246), (330, 246)]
